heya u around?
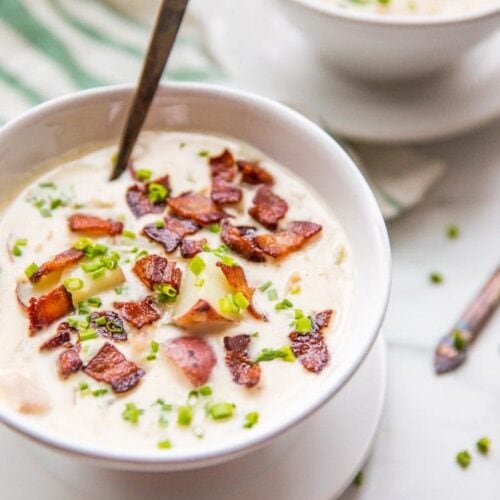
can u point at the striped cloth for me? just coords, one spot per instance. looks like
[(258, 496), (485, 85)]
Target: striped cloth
[(52, 47)]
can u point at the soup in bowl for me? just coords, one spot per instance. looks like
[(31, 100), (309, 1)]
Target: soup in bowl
[(224, 287), (394, 39)]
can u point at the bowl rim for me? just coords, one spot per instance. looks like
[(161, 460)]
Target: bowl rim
[(178, 458), (397, 21)]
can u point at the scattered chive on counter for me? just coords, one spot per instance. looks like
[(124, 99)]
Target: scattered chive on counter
[(358, 480), (483, 445), (452, 232), (463, 459), (203, 153), (436, 278)]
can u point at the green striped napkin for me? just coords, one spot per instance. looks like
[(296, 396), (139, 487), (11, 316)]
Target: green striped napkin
[(52, 47)]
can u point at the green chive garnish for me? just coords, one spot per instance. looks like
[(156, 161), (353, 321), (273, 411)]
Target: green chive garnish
[(483, 445), (157, 193), (221, 411), (285, 353), (164, 445), (143, 174), (463, 459), (284, 304), (73, 284), (265, 286), (131, 413), (197, 265), (30, 270), (358, 480), (452, 232), (272, 294), (251, 419), (129, 234), (214, 228), (436, 278), (184, 415)]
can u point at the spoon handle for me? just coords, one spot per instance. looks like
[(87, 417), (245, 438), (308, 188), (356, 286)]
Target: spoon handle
[(165, 31)]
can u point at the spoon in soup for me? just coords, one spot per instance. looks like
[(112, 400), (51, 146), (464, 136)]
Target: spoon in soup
[(162, 40)]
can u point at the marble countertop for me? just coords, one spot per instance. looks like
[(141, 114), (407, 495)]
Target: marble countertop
[(428, 419)]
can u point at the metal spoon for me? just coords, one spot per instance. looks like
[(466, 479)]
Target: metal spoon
[(165, 31)]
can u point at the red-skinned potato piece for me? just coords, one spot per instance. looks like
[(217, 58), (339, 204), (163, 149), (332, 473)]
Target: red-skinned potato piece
[(170, 235), (57, 264), (241, 239), (156, 270), (45, 310), (281, 243), (253, 173), (109, 365), (140, 312), (191, 248), (138, 198), (62, 337), (201, 315), (196, 207), (69, 362), (311, 348), (235, 276), (193, 356), (94, 226), (243, 370), (268, 208)]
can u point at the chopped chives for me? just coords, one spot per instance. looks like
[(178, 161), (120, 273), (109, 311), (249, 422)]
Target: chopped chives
[(483, 445), (100, 321), (272, 294), (358, 480), (221, 411), (99, 392), (157, 193), (203, 153), (132, 413), (295, 290), (197, 265), (214, 228), (436, 278), (265, 286), (452, 232), (160, 224), (155, 346), (129, 234), (118, 290), (463, 459), (251, 419), (184, 415), (151, 357), (205, 390), (73, 284), (94, 302), (285, 353), (30, 270), (284, 304), (143, 174), (87, 334), (164, 445), (199, 282), (303, 325)]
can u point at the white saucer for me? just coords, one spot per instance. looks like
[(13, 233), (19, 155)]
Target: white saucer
[(318, 460), (260, 51)]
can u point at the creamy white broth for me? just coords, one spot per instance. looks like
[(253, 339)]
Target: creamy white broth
[(415, 7), (324, 266)]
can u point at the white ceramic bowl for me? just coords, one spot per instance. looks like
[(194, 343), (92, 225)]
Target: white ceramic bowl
[(377, 47), (96, 115)]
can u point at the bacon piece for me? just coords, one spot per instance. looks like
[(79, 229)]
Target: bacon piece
[(243, 369), (241, 239), (281, 243), (225, 193), (155, 270), (201, 315), (58, 263), (310, 348), (196, 207), (109, 365), (61, 338), (268, 208), (235, 276), (223, 166), (94, 226), (193, 356), (113, 328), (139, 313), (43, 311), (138, 198), (190, 248), (69, 362), (253, 173), (171, 235)]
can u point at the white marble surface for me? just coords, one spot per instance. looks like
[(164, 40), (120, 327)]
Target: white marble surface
[(428, 419)]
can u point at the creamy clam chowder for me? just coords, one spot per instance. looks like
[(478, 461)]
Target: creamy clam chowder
[(415, 7), (195, 298)]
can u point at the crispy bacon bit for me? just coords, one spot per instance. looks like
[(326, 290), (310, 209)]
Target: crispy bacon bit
[(223, 166), (235, 276), (281, 243), (193, 356), (138, 198), (253, 173), (94, 226), (225, 193), (310, 348), (58, 263), (43, 311), (268, 208), (241, 239), (69, 362), (110, 327), (61, 338), (155, 270), (109, 365), (190, 248), (196, 207), (243, 369), (322, 319), (202, 314), (139, 313), (171, 235)]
